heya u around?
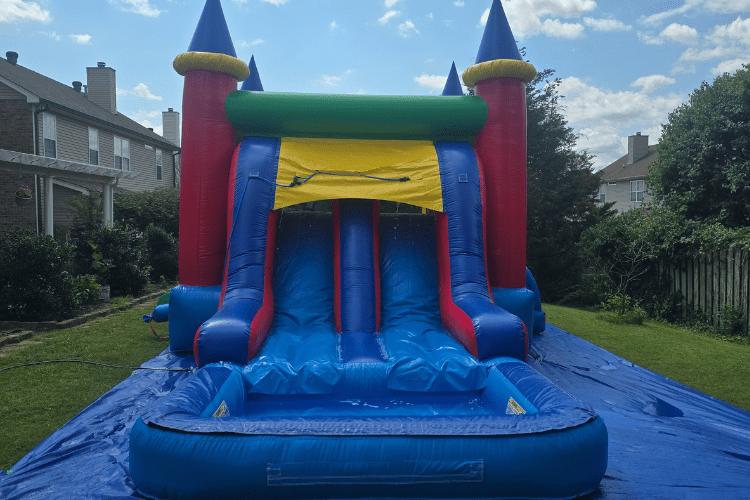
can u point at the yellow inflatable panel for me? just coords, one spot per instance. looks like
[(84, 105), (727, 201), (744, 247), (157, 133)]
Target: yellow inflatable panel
[(367, 169)]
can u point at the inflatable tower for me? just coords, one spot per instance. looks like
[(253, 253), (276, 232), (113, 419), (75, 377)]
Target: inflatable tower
[(499, 76)]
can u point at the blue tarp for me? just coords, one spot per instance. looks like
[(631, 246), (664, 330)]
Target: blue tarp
[(666, 440)]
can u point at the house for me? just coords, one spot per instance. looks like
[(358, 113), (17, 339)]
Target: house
[(624, 180), (63, 140)]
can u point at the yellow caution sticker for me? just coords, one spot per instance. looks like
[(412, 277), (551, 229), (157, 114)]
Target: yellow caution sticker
[(222, 410), (514, 408)]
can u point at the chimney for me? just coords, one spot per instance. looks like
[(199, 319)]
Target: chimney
[(102, 88), (77, 86), (170, 120), (637, 147), (11, 57)]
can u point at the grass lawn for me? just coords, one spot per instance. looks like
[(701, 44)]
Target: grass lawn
[(719, 367), (37, 400)]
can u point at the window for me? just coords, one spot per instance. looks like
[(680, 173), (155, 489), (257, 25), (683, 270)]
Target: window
[(611, 183), (636, 191), (602, 193), (158, 165), (93, 146), (49, 132), (122, 153)]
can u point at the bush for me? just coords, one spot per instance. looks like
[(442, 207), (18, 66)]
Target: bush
[(731, 322), (115, 255), (161, 250), (622, 310), (160, 207), (36, 283)]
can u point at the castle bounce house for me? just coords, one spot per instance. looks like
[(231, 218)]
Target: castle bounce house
[(349, 352)]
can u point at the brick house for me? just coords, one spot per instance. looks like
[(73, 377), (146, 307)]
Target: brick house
[(624, 180), (64, 140)]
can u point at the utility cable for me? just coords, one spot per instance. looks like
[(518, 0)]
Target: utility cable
[(98, 364)]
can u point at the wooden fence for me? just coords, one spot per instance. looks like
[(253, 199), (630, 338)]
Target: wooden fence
[(712, 281)]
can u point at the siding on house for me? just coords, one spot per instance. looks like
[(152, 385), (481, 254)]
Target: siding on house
[(620, 194)]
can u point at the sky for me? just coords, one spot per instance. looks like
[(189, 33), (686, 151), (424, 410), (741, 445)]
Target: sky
[(623, 64)]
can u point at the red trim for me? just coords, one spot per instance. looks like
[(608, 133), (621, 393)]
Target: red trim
[(264, 317), (195, 345), (336, 264), (376, 258), (455, 320)]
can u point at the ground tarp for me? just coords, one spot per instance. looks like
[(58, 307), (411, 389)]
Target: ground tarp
[(666, 440)]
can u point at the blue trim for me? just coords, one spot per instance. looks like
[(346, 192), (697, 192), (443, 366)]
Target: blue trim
[(252, 82), (540, 318), (226, 336), (212, 33), (189, 307), (497, 332), (497, 41), (357, 266), (453, 84)]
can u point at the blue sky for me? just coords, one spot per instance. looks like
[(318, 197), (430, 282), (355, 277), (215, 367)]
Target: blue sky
[(624, 65)]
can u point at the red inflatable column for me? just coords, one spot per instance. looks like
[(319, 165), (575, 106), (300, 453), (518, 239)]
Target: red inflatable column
[(211, 70), (502, 147)]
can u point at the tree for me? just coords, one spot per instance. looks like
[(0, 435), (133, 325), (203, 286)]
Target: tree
[(703, 169), (561, 192)]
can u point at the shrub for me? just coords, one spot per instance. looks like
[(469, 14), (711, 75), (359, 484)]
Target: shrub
[(36, 283), (115, 255), (160, 207), (731, 322), (161, 250), (621, 309)]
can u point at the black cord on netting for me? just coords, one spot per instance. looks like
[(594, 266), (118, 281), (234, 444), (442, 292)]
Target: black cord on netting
[(298, 181)]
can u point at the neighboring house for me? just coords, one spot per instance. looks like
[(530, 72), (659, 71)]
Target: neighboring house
[(624, 180), (64, 140)]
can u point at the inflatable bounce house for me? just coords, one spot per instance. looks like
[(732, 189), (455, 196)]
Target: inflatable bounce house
[(345, 351)]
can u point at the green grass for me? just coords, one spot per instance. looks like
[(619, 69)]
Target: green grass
[(37, 400), (717, 366)]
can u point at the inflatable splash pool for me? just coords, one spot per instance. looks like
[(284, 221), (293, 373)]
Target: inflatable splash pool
[(413, 416)]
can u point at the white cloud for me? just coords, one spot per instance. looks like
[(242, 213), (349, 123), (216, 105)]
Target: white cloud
[(390, 3), (718, 6), (388, 15), (459, 3), (333, 80), (533, 17), (675, 32), (275, 2), (142, 115), (430, 16), (680, 33), (19, 10), (334, 25), (706, 54), (653, 82), (407, 28), (606, 25), (558, 29), (432, 82), (141, 7), (53, 35), (736, 32), (255, 42), (605, 116), (729, 66), (158, 129), (81, 39), (140, 90)]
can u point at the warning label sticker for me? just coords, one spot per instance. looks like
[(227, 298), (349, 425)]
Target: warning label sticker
[(514, 408), (223, 410)]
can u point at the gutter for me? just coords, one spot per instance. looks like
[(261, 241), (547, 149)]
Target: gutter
[(37, 180)]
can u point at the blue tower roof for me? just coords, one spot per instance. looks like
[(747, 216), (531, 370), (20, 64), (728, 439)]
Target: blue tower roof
[(212, 34), (498, 41), (453, 84), (252, 82)]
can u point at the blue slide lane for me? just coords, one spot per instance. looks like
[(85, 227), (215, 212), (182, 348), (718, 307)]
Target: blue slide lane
[(226, 335)]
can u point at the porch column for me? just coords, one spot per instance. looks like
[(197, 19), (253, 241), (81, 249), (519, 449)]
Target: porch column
[(107, 208), (49, 217)]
